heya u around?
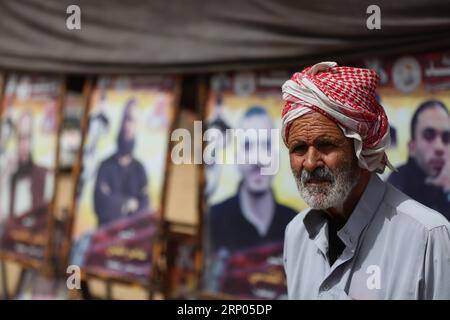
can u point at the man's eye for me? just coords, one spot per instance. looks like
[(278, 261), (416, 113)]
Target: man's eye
[(325, 145), (299, 149)]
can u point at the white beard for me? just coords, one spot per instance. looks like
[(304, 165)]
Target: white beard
[(328, 195)]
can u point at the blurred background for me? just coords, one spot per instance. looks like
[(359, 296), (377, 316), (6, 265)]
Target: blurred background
[(101, 99)]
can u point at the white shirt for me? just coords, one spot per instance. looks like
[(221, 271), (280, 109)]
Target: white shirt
[(395, 248)]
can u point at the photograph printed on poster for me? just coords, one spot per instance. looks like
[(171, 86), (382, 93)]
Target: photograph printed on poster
[(120, 185), (28, 140), (415, 91), (247, 210)]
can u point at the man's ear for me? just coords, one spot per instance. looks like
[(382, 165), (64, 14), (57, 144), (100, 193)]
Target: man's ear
[(412, 148)]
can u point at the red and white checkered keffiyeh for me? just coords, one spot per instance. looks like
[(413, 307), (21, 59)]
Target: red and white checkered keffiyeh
[(346, 95)]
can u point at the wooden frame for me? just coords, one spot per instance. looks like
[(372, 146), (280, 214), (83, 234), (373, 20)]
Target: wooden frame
[(159, 245), (203, 294), (5, 293), (41, 265), (87, 91), (191, 231), (177, 235), (202, 99), (158, 239)]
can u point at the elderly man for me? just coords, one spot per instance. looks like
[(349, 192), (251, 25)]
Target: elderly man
[(361, 238)]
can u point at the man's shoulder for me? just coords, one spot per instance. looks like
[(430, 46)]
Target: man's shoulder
[(284, 211), (138, 164), (402, 172), (229, 207), (109, 161), (296, 224), (407, 208), (405, 167)]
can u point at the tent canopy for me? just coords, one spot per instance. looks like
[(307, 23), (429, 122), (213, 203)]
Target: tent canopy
[(168, 36)]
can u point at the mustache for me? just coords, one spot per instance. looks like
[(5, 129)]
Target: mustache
[(320, 173)]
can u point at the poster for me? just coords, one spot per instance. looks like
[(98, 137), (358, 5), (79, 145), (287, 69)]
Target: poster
[(120, 185), (248, 208), (28, 140), (415, 92)]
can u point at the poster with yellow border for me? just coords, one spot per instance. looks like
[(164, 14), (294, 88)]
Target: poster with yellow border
[(28, 146), (123, 170)]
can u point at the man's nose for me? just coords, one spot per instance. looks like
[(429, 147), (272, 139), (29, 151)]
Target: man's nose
[(312, 160), (439, 146)]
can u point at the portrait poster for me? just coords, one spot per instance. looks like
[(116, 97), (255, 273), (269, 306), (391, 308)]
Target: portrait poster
[(247, 210), (121, 181), (28, 146), (408, 82)]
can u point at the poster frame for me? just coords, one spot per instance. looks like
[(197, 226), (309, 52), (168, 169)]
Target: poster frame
[(151, 284)]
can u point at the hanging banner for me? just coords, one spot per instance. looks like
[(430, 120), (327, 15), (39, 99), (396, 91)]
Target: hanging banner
[(121, 182), (28, 147)]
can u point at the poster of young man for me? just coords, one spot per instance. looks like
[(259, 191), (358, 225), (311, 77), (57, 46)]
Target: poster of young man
[(415, 91), (121, 180), (28, 145), (250, 193)]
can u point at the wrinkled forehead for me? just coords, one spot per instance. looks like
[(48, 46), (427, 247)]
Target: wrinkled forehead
[(312, 125)]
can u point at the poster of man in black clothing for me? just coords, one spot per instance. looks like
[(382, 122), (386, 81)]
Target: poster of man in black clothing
[(122, 181)]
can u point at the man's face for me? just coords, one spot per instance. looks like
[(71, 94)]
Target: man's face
[(322, 160), (130, 124), (252, 178), (431, 145), (24, 138)]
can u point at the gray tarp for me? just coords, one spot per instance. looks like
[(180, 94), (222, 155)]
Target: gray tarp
[(119, 36)]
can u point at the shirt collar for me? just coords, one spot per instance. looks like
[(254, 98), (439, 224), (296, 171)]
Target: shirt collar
[(368, 204)]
